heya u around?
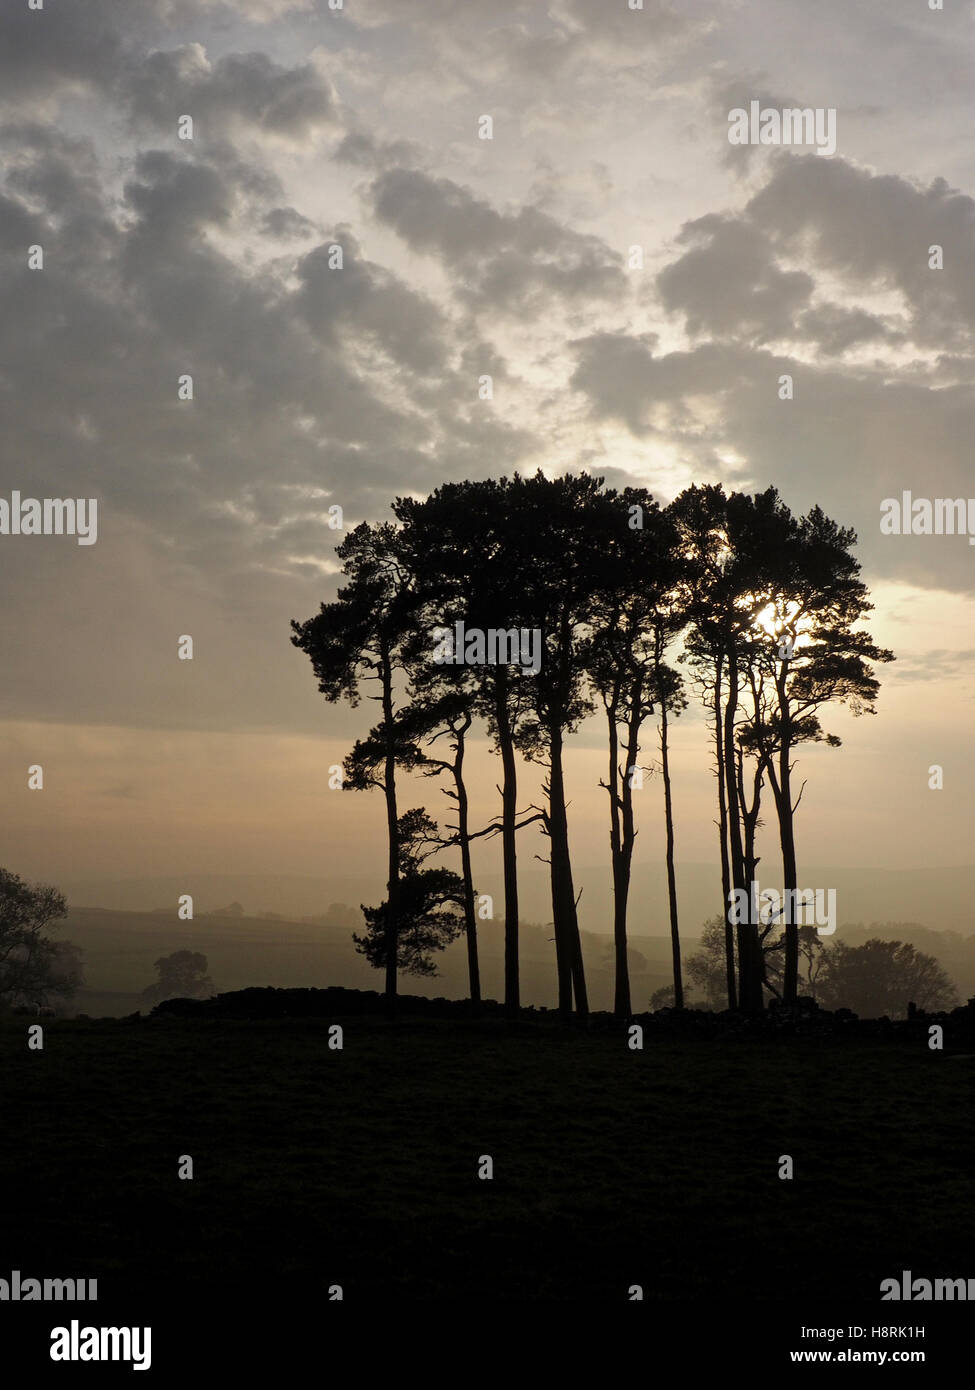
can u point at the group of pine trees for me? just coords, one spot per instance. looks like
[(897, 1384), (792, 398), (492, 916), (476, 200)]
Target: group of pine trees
[(728, 594)]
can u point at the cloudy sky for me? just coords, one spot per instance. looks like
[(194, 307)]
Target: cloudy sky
[(462, 257)]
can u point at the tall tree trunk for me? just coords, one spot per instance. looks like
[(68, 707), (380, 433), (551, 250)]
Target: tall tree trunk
[(470, 918), (729, 935), (509, 850), (783, 806), (671, 878), (782, 792), (628, 837), (621, 998), (622, 835), (392, 829), (568, 945), (749, 816), (749, 949)]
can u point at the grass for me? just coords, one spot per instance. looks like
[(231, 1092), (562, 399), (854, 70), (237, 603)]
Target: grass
[(359, 1167)]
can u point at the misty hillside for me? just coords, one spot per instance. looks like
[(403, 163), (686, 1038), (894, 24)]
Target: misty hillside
[(121, 938), (939, 898), (121, 947)]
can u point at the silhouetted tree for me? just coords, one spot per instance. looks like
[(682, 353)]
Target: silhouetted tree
[(449, 715), (812, 957), (637, 611), (467, 550), (670, 698), (710, 685), (357, 639), (182, 975), (428, 901), (881, 978), (767, 604), (32, 966), (807, 648), (727, 575), (706, 966), (573, 522)]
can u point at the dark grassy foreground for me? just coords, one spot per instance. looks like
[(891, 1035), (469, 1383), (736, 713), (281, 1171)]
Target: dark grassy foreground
[(358, 1167)]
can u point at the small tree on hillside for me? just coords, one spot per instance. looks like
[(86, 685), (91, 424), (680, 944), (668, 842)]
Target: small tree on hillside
[(881, 978), (706, 968), (183, 975)]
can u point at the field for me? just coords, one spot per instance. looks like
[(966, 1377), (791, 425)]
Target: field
[(315, 1167)]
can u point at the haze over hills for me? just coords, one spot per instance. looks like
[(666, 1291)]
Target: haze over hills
[(133, 926), (939, 898), (120, 949)]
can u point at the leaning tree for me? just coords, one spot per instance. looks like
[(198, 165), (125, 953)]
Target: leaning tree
[(357, 643)]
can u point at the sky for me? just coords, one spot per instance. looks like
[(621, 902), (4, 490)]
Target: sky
[(635, 286)]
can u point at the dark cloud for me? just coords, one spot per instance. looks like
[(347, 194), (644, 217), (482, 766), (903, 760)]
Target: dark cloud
[(239, 87), (502, 261), (71, 46), (614, 371), (727, 282), (835, 329), (360, 147), (314, 385), (848, 439), (373, 301), (875, 230), (762, 274), (310, 385), (287, 224)]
